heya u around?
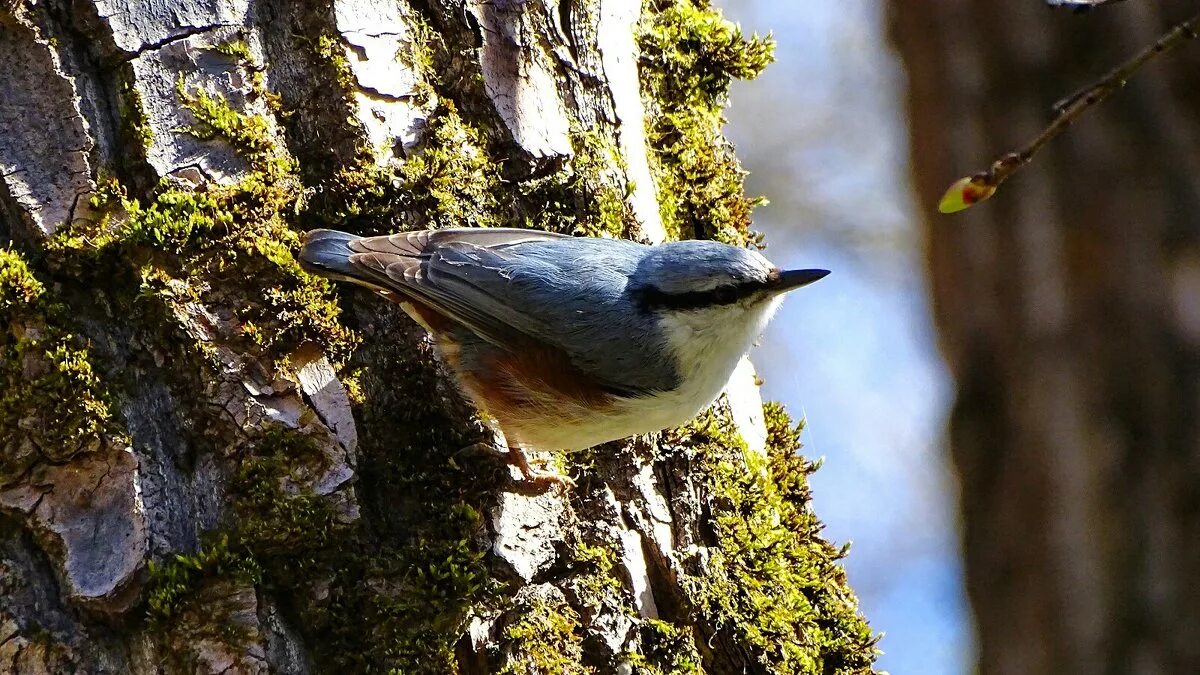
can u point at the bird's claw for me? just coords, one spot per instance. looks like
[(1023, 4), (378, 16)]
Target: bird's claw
[(517, 458)]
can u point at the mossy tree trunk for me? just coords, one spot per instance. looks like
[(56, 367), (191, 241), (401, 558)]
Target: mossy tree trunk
[(1067, 310), (213, 462)]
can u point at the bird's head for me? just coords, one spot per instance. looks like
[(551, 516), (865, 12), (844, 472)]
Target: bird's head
[(710, 278)]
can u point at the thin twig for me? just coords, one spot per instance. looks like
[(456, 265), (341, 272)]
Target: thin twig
[(976, 188)]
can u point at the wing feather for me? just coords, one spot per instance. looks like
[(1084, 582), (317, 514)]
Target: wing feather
[(483, 280)]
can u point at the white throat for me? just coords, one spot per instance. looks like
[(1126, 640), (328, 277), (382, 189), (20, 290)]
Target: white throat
[(708, 344)]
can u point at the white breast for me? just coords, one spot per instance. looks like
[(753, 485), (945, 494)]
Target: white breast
[(708, 345)]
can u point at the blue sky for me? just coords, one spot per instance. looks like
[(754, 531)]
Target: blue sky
[(822, 133)]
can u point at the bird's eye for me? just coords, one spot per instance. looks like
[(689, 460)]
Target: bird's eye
[(724, 295)]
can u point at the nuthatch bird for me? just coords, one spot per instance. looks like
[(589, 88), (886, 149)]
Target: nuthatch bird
[(569, 342)]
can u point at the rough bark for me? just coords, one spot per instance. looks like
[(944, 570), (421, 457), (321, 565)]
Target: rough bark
[(1067, 310), (213, 462)]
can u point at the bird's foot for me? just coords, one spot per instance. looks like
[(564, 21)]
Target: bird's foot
[(519, 459)]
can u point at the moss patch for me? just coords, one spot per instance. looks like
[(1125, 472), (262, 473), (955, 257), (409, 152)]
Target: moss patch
[(237, 49), (52, 404), (545, 638), (203, 599), (174, 583), (771, 582), (668, 649), (593, 578), (401, 593), (584, 196), (374, 601), (367, 602), (273, 516), (328, 50), (228, 246), (451, 182), (135, 124), (465, 174), (19, 289), (689, 56)]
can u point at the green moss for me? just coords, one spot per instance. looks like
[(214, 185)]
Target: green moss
[(400, 605), (668, 649), (399, 595), (450, 182), (453, 181), (417, 610), (52, 404), (249, 135), (19, 289), (132, 109), (238, 50), (463, 174), (329, 50), (771, 582), (584, 196), (421, 54), (172, 585), (417, 54), (375, 602), (274, 516), (230, 246), (376, 599), (593, 574), (689, 56), (544, 640), (690, 42), (200, 599)]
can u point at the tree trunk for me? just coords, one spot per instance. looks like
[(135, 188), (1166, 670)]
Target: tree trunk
[(1068, 311), (213, 462)]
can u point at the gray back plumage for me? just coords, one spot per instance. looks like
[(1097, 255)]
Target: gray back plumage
[(507, 286)]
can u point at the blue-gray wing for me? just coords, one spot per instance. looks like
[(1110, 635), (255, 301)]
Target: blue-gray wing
[(508, 286)]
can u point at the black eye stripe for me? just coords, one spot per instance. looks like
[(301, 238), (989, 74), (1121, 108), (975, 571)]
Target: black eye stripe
[(651, 298)]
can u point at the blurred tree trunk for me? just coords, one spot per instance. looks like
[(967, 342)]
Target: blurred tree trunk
[(1068, 308), (213, 462)]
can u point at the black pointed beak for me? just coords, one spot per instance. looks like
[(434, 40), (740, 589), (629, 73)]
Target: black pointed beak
[(786, 280)]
